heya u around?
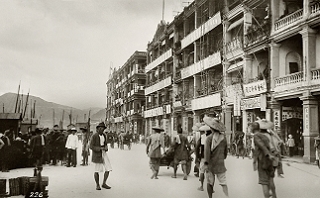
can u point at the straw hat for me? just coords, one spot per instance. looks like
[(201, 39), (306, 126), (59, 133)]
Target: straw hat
[(157, 129), (265, 124), (214, 123), (205, 128)]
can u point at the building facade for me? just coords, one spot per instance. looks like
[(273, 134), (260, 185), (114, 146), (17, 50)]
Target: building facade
[(238, 60), (125, 96)]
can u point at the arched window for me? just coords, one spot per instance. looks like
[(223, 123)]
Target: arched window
[(293, 63)]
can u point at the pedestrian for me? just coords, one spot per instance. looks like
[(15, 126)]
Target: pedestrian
[(154, 145), (182, 151), (54, 144), (199, 152), (85, 146), (291, 145), (265, 157), (5, 152), (215, 152), (71, 146), (99, 147), (278, 143), (37, 144), (195, 138)]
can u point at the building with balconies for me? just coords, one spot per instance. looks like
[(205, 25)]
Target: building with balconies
[(246, 62), (295, 88), (125, 96), (159, 71), (198, 75)]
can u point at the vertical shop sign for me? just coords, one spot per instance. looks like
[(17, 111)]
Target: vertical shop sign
[(276, 119), (237, 105), (306, 118)]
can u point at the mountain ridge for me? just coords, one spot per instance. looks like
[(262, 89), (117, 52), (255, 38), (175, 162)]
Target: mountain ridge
[(49, 113)]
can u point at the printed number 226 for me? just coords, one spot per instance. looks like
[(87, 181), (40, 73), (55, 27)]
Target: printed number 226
[(36, 194)]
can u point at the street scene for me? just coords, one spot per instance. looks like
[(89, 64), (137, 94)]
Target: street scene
[(130, 177), (199, 98)]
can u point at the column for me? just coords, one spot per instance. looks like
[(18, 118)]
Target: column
[(309, 51), (275, 6), (247, 23), (228, 122), (310, 126), (196, 85), (274, 64)]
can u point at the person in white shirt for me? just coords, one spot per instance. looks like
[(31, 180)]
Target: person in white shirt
[(72, 145)]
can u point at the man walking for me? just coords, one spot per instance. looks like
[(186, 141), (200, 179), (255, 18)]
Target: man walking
[(72, 145), (215, 152), (99, 147)]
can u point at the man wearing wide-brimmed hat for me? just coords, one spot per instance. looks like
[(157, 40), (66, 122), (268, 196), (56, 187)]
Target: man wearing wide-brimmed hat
[(99, 147), (265, 155), (72, 145), (215, 152), (154, 145)]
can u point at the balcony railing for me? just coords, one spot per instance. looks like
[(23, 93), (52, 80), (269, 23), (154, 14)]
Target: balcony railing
[(315, 8), (288, 20), (289, 79), (315, 74)]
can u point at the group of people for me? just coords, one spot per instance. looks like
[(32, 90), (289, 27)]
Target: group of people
[(211, 150)]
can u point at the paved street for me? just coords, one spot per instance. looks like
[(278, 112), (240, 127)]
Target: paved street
[(131, 178)]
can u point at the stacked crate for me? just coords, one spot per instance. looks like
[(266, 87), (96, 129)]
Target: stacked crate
[(3, 185), (14, 186)]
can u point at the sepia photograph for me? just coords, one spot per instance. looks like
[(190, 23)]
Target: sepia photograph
[(159, 98)]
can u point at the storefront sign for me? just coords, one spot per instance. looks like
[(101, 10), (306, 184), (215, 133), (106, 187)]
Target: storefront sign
[(255, 88), (206, 102), (166, 109), (177, 104), (306, 118), (259, 102), (276, 119), (289, 112), (118, 119), (233, 90), (237, 105)]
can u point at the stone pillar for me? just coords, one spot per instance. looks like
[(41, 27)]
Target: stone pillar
[(244, 121), (309, 51), (310, 126), (275, 7), (274, 63)]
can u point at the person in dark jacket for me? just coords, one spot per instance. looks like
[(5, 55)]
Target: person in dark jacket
[(181, 153), (215, 152), (154, 145), (37, 144), (264, 158), (99, 147)]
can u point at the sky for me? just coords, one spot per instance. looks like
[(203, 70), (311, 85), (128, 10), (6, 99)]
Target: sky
[(61, 50)]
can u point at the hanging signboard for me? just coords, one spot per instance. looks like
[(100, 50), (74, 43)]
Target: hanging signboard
[(255, 88)]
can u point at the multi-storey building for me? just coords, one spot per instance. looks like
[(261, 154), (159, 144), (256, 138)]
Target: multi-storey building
[(246, 62), (295, 69), (159, 73), (125, 95), (198, 71)]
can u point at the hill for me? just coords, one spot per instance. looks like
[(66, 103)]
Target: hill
[(48, 113)]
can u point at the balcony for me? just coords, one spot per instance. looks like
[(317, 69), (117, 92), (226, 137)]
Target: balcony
[(165, 56), (235, 9), (289, 21), (290, 81)]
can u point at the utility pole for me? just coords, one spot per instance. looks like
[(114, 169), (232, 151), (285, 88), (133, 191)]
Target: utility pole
[(15, 110), (163, 8)]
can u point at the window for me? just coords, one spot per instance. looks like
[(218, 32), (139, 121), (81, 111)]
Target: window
[(293, 67)]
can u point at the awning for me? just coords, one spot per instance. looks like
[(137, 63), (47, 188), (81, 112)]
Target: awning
[(235, 66), (235, 24)]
